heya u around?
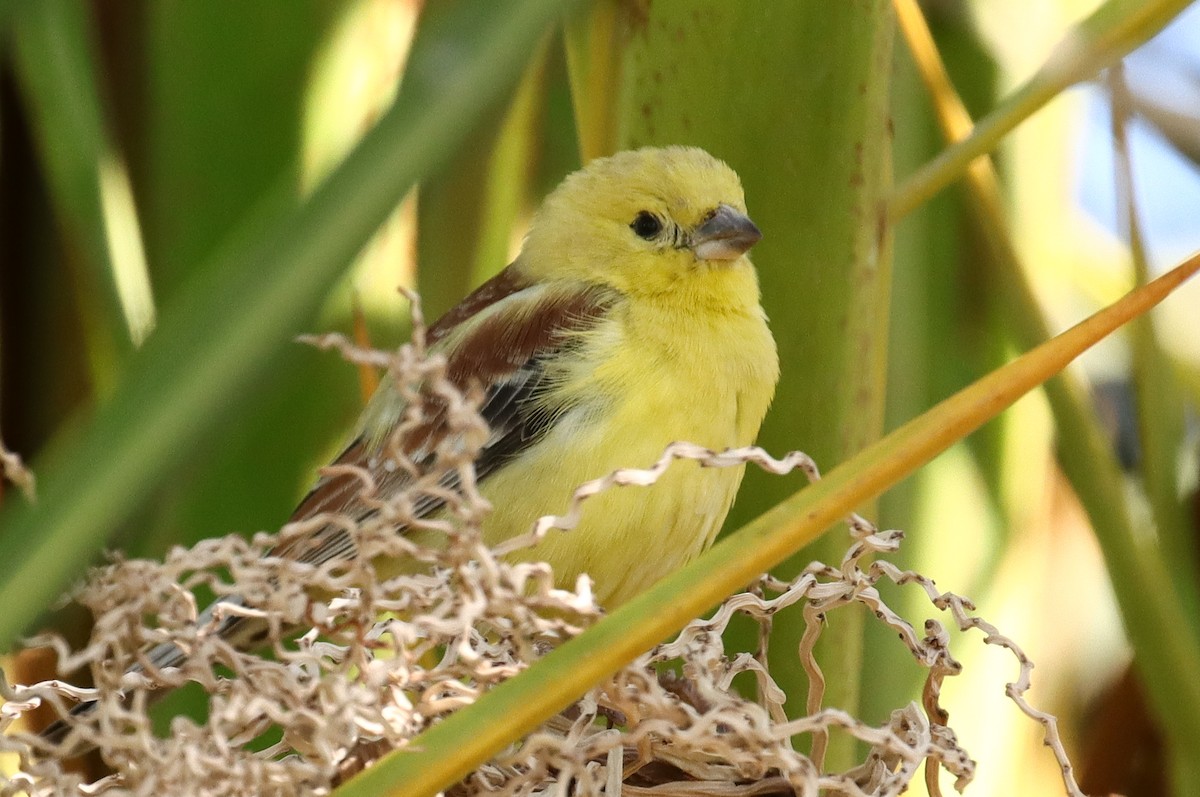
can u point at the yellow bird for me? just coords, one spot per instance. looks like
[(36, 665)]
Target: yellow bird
[(630, 320)]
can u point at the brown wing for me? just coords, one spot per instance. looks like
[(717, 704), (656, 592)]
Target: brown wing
[(504, 353)]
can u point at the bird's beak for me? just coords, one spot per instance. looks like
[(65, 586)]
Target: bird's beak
[(728, 235)]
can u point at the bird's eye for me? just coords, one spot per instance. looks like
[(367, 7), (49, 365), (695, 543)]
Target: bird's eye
[(646, 225)]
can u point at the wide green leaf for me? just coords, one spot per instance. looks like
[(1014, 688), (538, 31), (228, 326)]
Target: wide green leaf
[(253, 297)]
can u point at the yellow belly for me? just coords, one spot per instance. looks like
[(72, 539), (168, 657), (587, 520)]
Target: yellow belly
[(628, 536)]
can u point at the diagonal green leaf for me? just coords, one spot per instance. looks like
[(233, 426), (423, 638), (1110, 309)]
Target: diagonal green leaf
[(251, 299), (450, 750)]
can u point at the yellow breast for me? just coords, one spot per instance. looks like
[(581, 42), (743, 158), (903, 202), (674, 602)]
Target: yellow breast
[(652, 374)]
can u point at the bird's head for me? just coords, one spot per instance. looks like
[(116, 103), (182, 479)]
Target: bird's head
[(643, 222)]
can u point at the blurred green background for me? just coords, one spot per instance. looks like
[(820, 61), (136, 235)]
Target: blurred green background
[(166, 218)]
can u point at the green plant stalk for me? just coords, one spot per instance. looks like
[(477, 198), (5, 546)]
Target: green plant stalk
[(804, 122), (1109, 33), (510, 170), (1165, 642), (594, 46), (450, 750), (55, 63), (555, 131), (237, 313), (448, 203), (933, 294), (483, 191), (1160, 404)]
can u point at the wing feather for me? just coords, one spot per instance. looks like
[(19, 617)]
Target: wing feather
[(500, 339)]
